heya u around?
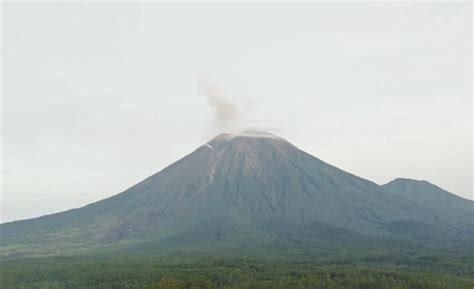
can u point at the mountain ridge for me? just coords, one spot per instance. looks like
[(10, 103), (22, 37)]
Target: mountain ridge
[(249, 187)]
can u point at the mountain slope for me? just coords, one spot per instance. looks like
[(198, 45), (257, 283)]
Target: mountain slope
[(431, 201), (247, 188)]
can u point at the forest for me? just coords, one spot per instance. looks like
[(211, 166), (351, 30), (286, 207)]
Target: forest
[(411, 270)]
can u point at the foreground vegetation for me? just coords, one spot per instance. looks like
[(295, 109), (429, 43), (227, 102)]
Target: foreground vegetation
[(200, 272)]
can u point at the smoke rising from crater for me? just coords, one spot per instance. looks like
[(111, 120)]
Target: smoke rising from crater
[(224, 106), (230, 110)]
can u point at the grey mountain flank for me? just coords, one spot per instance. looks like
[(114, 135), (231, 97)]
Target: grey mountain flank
[(251, 188)]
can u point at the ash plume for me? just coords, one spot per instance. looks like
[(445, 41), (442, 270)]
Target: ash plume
[(223, 104)]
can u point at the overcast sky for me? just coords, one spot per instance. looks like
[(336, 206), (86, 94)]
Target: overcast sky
[(98, 97)]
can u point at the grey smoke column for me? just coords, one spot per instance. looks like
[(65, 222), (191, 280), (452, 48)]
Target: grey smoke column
[(224, 106)]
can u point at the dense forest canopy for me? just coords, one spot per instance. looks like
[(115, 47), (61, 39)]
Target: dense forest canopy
[(415, 269)]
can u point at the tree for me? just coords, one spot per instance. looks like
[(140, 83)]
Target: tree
[(167, 282)]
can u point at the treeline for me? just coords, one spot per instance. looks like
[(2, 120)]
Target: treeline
[(67, 273)]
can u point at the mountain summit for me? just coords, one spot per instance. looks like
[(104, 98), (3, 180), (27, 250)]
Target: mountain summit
[(248, 188)]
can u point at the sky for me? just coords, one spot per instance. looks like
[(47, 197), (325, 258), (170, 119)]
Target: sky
[(96, 97)]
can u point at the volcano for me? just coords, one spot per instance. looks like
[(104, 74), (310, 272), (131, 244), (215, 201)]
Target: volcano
[(251, 188)]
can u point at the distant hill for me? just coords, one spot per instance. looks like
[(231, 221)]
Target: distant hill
[(431, 202), (251, 189)]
